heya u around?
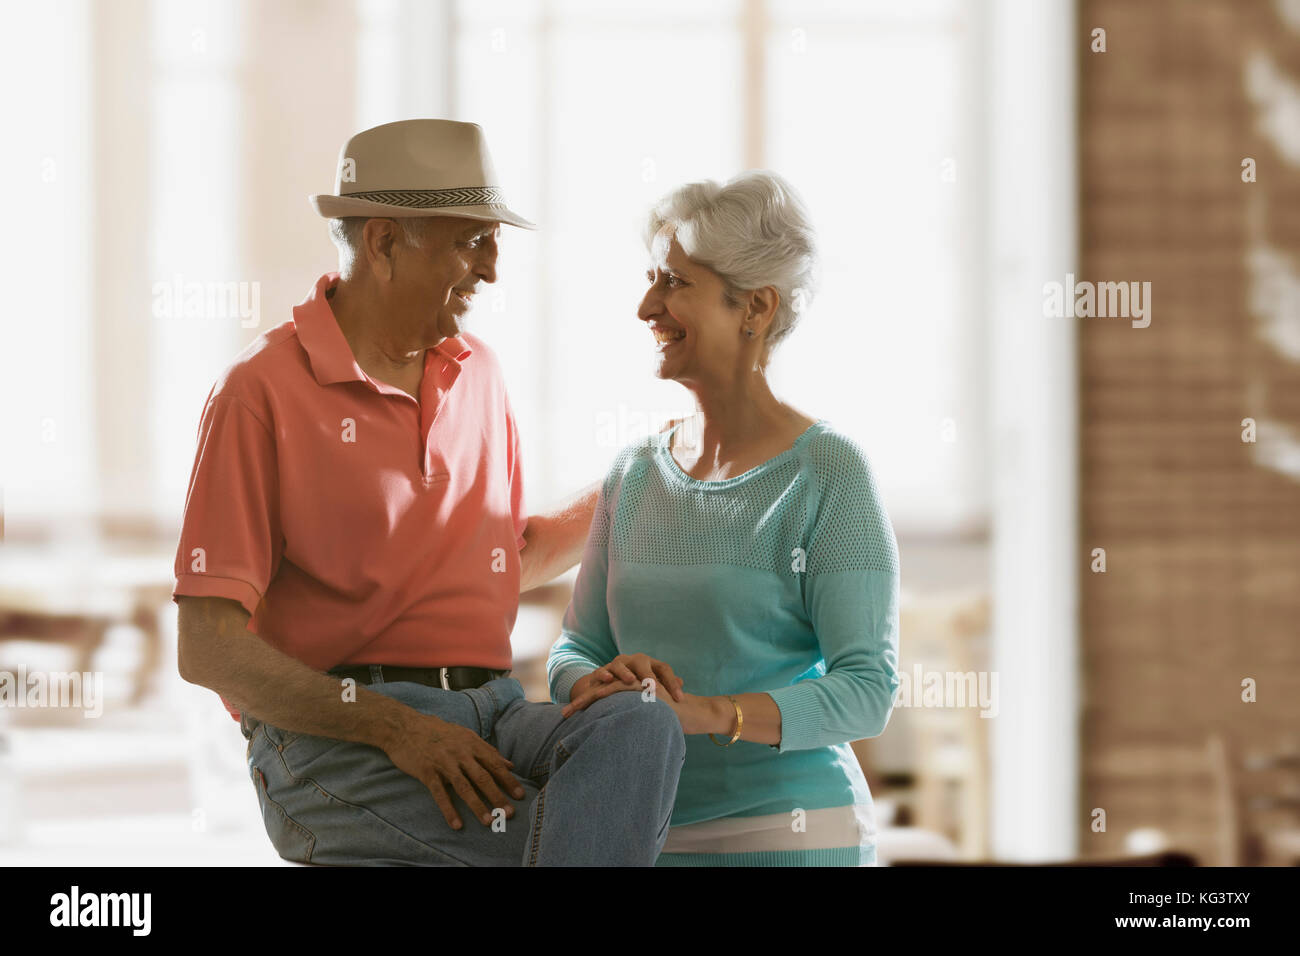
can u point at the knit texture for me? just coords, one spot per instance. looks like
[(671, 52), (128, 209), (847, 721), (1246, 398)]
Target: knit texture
[(781, 580)]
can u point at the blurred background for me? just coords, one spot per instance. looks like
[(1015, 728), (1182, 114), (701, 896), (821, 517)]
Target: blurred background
[(1098, 522)]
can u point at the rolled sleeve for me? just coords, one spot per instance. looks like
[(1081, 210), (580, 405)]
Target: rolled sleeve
[(230, 541)]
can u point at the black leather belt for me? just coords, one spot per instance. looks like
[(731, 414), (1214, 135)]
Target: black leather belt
[(448, 678)]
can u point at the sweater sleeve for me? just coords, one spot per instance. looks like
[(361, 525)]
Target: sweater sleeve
[(851, 597), (586, 642)]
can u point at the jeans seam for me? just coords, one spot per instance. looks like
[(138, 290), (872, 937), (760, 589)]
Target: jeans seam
[(496, 707), (538, 813), (478, 714), (367, 811), (266, 794)]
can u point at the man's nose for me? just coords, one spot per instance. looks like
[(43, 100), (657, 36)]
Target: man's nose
[(485, 267)]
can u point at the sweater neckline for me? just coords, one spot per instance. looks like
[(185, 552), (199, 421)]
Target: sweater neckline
[(675, 470)]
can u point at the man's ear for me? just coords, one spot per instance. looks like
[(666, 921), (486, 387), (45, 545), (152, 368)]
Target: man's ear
[(378, 239)]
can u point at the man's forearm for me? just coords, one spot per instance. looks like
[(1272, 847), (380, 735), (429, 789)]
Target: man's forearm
[(553, 542), (219, 652)]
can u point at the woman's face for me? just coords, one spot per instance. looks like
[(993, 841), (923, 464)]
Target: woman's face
[(697, 336)]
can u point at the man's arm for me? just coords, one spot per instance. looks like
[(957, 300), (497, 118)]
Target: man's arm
[(217, 651), (553, 542)]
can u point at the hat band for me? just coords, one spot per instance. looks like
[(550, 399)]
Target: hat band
[(431, 198)]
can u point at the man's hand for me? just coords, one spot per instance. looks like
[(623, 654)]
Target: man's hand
[(443, 755), (625, 672)]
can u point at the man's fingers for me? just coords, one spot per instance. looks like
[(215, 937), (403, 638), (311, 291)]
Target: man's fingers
[(488, 787), (439, 793), (503, 777), (460, 783)]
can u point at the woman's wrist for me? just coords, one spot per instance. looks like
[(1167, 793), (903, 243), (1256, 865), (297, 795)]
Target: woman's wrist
[(722, 717)]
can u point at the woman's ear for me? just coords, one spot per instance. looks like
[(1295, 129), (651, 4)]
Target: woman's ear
[(762, 307)]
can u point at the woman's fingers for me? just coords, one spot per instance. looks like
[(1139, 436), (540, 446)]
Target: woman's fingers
[(596, 693), (666, 678), (621, 671)]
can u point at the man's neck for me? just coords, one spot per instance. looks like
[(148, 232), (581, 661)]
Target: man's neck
[(400, 364)]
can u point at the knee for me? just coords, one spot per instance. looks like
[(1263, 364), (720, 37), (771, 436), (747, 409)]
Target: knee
[(651, 722)]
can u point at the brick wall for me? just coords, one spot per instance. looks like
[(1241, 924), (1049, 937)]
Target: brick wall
[(1201, 530)]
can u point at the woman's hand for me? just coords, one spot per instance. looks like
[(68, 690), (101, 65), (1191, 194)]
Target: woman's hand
[(625, 672)]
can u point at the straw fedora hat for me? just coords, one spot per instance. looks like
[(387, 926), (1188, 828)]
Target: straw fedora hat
[(419, 167)]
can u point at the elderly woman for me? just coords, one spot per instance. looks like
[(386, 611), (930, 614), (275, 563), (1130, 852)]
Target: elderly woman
[(743, 553)]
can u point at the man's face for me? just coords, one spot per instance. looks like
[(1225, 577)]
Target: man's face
[(432, 285)]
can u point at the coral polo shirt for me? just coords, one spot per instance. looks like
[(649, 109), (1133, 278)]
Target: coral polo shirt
[(355, 524)]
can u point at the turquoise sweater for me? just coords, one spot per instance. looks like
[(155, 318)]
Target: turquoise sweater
[(783, 579)]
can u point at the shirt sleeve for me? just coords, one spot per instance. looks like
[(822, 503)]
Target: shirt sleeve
[(586, 642), (851, 593), (231, 540), (518, 509)]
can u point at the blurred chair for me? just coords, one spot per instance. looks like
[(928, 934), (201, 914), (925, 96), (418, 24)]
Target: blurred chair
[(943, 634), (1258, 826), (74, 599)]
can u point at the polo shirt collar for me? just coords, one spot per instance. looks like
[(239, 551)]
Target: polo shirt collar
[(328, 350)]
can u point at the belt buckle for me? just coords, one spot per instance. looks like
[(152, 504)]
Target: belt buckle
[(442, 676)]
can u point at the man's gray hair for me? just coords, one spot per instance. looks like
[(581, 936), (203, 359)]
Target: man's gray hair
[(346, 235), (753, 231)]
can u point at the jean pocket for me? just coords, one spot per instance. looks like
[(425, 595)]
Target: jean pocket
[(292, 840), (278, 737)]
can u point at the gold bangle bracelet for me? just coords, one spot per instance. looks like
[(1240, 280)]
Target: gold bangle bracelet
[(740, 722)]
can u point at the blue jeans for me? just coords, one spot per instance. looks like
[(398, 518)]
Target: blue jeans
[(598, 786)]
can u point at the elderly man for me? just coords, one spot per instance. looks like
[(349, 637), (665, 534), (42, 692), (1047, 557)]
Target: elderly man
[(355, 541)]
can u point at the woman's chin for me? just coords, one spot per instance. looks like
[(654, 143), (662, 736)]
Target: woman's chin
[(665, 370)]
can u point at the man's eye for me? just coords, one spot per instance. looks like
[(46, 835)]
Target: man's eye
[(672, 281)]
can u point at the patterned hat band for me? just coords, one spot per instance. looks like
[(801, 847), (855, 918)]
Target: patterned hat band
[(432, 198)]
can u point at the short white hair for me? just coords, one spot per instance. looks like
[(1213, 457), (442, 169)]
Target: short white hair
[(753, 231), (346, 234)]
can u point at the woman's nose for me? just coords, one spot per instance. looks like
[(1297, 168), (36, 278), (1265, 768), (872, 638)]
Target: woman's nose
[(649, 306)]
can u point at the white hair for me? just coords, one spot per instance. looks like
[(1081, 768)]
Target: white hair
[(753, 231), (346, 235)]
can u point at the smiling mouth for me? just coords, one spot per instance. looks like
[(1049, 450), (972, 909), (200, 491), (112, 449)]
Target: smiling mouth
[(666, 338), (466, 297)]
